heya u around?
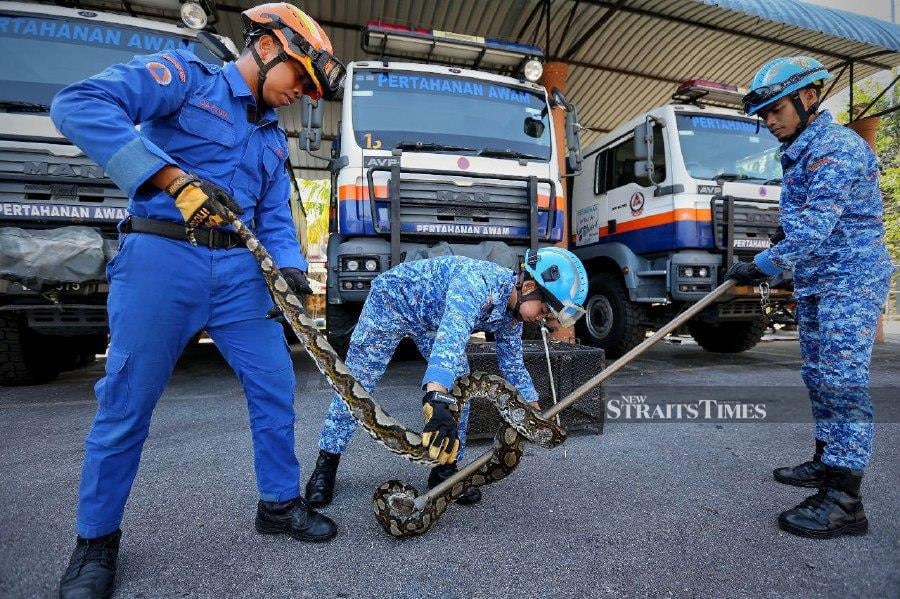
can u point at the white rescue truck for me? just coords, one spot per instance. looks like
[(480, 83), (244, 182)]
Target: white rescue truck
[(667, 201), (452, 154), (58, 209)]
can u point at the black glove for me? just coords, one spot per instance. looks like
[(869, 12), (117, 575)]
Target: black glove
[(440, 434), (778, 236), (296, 280), (746, 273), (201, 202)]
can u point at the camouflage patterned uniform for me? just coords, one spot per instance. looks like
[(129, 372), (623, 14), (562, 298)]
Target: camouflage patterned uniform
[(831, 211), (438, 303)]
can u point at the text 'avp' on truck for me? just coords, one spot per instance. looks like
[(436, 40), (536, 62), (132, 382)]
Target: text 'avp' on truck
[(58, 209), (455, 154), (667, 202)]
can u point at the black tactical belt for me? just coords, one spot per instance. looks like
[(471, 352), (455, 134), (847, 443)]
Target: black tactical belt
[(211, 238)]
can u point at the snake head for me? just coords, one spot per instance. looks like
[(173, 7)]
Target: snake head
[(398, 512)]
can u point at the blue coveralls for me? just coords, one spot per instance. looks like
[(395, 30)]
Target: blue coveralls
[(163, 291), (438, 302), (831, 211)]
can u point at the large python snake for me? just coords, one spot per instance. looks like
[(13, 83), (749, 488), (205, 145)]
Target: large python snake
[(394, 501)]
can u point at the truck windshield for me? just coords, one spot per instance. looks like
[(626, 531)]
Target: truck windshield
[(44, 54), (730, 148), (392, 108)]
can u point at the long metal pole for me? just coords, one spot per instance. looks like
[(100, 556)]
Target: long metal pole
[(578, 393)]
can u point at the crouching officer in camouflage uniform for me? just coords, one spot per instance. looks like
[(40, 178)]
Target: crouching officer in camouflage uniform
[(439, 302), (209, 137), (831, 213)]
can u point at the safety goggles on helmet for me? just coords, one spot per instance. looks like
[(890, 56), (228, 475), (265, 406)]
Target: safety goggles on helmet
[(328, 71), (765, 93)]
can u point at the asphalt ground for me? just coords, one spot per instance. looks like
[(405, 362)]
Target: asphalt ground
[(660, 508)]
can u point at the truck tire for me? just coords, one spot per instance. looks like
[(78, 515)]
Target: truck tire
[(727, 337), (26, 358), (78, 351), (611, 321), (340, 320)]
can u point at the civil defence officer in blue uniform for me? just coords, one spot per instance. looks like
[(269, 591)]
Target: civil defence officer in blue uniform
[(439, 302), (208, 137), (833, 240)]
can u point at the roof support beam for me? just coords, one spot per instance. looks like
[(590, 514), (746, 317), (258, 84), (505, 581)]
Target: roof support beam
[(878, 97), (566, 28), (600, 67), (534, 11), (761, 38), (592, 30)]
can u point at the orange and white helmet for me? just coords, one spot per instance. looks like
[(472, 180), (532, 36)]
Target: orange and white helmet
[(301, 39)]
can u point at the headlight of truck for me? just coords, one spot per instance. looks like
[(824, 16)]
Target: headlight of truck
[(193, 15), (703, 272), (352, 265), (371, 265), (533, 70)]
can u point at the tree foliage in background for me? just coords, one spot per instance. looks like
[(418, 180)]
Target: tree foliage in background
[(315, 194), (887, 146)]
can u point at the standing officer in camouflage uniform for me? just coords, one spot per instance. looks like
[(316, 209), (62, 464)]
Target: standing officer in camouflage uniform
[(831, 213), (439, 302), (209, 136)]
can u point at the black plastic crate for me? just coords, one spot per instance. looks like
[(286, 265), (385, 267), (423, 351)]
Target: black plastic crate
[(573, 365)]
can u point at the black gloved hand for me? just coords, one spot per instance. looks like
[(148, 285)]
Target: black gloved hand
[(778, 236), (440, 434), (201, 202), (746, 273), (296, 280)]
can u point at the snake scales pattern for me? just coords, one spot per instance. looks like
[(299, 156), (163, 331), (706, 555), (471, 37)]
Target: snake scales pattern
[(394, 501)]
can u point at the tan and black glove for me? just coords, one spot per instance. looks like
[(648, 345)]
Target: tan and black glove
[(440, 434), (200, 202)]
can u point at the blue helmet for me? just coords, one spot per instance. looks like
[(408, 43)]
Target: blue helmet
[(780, 78), (562, 279)]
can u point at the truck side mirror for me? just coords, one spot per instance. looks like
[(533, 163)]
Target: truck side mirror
[(534, 127), (311, 116), (573, 141), (216, 47), (643, 150), (573, 129)]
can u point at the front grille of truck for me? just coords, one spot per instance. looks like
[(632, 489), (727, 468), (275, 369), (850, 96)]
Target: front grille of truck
[(39, 189), (446, 202), (741, 227)]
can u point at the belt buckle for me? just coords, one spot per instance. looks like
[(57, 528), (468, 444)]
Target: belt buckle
[(212, 239)]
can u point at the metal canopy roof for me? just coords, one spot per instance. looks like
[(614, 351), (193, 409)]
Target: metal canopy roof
[(625, 56)]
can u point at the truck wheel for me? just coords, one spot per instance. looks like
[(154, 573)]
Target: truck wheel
[(340, 319), (611, 320), (78, 351), (25, 356), (727, 337)]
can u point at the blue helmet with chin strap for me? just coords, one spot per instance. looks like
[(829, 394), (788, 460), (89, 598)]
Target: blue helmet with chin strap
[(562, 280), (784, 78)]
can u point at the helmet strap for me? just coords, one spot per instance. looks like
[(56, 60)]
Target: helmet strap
[(803, 112), (264, 68), (521, 298)]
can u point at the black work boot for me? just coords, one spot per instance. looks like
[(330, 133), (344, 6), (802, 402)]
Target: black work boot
[(92, 569), (320, 488), (439, 474), (835, 509), (808, 474), (294, 518)]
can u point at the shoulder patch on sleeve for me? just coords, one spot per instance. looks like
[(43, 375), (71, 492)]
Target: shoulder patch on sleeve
[(160, 72), (180, 69), (820, 162)]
